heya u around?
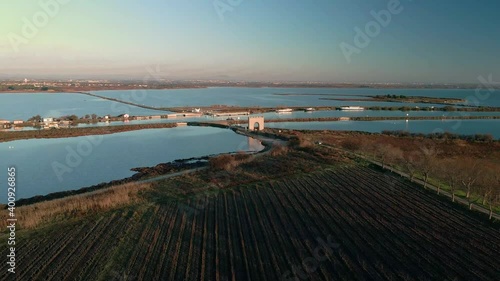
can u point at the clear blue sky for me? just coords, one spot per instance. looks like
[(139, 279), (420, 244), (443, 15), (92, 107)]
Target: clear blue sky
[(428, 41)]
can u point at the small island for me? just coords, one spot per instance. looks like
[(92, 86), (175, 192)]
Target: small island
[(403, 99), (417, 99)]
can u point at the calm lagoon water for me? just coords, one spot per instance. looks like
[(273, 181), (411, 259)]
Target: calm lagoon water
[(371, 113), (24, 106), (48, 165), (108, 157), (295, 115), (462, 127), (267, 97)]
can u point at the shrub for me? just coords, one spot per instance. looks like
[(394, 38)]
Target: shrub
[(278, 150), (221, 162), (351, 144), (241, 156)]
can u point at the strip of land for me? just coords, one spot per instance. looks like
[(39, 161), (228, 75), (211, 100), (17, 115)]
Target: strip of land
[(103, 130), (403, 99), (21, 86), (77, 132), (122, 101), (379, 118)]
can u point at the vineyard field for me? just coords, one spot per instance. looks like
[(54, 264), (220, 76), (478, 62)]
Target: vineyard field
[(350, 223)]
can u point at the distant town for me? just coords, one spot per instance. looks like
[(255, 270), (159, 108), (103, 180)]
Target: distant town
[(41, 85)]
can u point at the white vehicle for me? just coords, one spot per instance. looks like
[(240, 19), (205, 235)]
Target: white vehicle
[(357, 108)]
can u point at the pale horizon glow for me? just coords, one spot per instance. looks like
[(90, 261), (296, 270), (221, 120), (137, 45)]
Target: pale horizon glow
[(278, 40)]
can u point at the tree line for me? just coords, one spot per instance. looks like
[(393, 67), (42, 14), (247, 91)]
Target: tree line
[(476, 179)]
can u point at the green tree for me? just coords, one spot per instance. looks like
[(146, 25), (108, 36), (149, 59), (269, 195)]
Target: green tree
[(36, 118)]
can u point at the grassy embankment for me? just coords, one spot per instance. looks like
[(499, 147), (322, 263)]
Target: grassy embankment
[(77, 206)]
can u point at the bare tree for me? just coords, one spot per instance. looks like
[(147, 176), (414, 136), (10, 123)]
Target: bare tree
[(470, 171), (368, 148), (409, 163), (388, 154), (451, 174), (427, 163), (489, 187), (496, 191), (381, 153), (395, 156), (492, 199), (440, 169), (485, 183)]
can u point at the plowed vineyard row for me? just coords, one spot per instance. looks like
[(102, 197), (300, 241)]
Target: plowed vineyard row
[(344, 224)]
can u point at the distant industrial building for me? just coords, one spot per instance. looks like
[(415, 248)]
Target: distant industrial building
[(49, 123), (5, 124)]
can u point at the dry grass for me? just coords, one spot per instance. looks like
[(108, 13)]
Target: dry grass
[(229, 161), (32, 216), (278, 150)]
